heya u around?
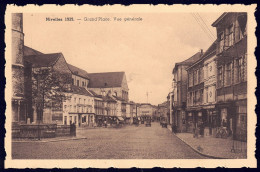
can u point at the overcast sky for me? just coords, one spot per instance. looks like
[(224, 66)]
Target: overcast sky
[(146, 50)]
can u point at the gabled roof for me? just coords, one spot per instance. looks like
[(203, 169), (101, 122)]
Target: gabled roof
[(43, 60), (80, 90), (219, 19), (95, 94), (27, 51), (77, 71), (119, 98), (210, 50), (188, 61), (109, 99), (106, 80)]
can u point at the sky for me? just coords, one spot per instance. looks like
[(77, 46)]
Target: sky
[(145, 50)]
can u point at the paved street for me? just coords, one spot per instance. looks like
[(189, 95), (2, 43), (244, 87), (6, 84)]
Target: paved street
[(129, 142)]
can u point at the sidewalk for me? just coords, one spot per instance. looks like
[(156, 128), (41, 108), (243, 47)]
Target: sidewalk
[(214, 147)]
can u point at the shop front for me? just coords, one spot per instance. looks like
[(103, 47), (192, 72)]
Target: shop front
[(226, 120), (196, 121), (211, 120)]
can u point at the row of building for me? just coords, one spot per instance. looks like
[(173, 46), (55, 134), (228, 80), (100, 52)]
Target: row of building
[(91, 98), (210, 88)]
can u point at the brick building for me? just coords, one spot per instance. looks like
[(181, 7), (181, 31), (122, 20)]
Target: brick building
[(232, 73)]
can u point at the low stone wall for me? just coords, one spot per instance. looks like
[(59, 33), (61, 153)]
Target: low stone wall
[(63, 130), (40, 131)]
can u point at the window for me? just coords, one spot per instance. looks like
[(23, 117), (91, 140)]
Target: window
[(201, 96), (79, 100), (70, 108), (230, 35), (220, 76), (190, 80), (206, 95), (228, 74), (195, 77), (200, 75), (72, 81), (83, 84), (65, 107), (221, 42), (77, 82), (206, 71), (74, 108)]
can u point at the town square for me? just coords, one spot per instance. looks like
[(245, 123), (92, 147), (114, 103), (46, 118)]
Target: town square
[(130, 86)]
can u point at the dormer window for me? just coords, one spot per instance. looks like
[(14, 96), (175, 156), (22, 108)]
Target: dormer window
[(230, 35)]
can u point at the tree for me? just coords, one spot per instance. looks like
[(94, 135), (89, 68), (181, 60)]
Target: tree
[(49, 89)]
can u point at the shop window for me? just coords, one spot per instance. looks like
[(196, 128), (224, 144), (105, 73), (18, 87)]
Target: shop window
[(65, 120), (75, 119), (70, 119)]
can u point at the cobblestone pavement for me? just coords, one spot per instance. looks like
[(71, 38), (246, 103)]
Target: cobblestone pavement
[(129, 142)]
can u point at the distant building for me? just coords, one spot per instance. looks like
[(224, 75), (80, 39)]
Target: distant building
[(115, 84), (162, 111)]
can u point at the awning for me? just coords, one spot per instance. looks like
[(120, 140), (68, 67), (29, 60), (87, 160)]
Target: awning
[(120, 118)]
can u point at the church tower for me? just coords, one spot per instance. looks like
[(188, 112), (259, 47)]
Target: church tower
[(19, 105)]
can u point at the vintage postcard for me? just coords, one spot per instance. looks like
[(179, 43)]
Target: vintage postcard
[(130, 86)]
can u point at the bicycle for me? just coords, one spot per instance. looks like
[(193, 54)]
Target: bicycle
[(222, 132)]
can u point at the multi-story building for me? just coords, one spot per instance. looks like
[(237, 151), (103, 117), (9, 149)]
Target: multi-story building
[(146, 110), (79, 109), (210, 75), (180, 93), (201, 86), (232, 72)]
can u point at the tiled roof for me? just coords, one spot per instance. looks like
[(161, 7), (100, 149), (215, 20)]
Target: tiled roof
[(80, 90), (77, 71), (106, 80), (43, 60), (211, 49), (189, 61), (29, 51)]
